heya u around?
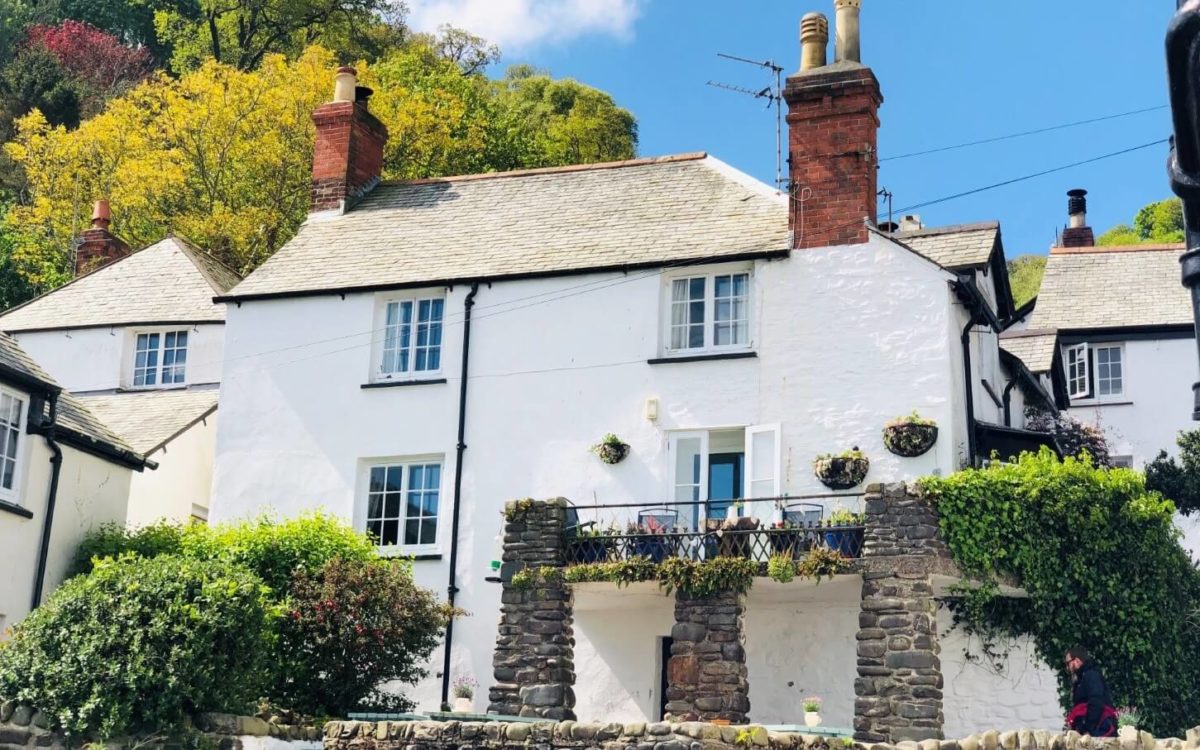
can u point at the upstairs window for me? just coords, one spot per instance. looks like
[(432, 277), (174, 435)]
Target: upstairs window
[(160, 358), (709, 312), (412, 337), (1095, 371), (12, 411)]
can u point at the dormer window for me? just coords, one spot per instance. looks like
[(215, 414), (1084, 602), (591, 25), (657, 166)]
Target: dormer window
[(160, 359), (412, 337)]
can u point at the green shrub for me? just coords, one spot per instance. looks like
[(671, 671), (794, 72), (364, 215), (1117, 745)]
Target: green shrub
[(1099, 557), (1178, 479), (352, 626), (139, 643), (114, 540)]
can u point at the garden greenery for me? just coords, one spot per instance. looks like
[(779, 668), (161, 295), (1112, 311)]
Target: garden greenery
[(1178, 479), (1099, 557)]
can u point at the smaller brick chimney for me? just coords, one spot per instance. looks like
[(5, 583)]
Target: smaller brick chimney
[(97, 246), (1077, 233), (833, 124), (348, 154)]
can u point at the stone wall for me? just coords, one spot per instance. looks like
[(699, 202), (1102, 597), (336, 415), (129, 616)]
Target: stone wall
[(706, 675), (898, 693), (533, 664), (569, 735)]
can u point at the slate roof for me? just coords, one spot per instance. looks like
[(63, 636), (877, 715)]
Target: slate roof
[(72, 414), (169, 281), (1033, 347), (643, 212), (954, 247), (148, 419), (1105, 287)]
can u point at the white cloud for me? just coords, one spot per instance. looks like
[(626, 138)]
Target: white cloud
[(521, 24)]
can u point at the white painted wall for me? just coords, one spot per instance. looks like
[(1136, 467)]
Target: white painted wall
[(977, 698), (800, 642), (99, 359), (183, 480), (91, 492), (846, 339)]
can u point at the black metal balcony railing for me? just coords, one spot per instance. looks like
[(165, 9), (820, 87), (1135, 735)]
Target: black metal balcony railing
[(757, 544)]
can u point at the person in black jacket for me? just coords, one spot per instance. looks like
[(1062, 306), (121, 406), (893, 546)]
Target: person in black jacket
[(1092, 713)]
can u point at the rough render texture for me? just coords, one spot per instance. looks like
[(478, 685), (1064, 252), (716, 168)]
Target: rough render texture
[(347, 154), (706, 674), (533, 664), (899, 686), (833, 124)]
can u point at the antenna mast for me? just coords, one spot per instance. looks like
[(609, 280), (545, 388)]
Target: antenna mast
[(774, 96)]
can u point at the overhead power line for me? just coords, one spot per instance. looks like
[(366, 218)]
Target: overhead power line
[(1025, 133)]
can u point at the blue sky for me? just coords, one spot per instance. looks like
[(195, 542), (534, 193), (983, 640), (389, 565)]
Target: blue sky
[(950, 72)]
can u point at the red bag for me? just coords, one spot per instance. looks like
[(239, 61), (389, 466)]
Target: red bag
[(1106, 726)]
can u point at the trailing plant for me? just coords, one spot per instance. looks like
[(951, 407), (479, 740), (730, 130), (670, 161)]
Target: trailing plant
[(1099, 557), (840, 516), (708, 578), (843, 470), (140, 643), (1073, 437), (910, 436), (620, 572), (823, 562), (530, 578), (515, 509), (1178, 479), (781, 568)]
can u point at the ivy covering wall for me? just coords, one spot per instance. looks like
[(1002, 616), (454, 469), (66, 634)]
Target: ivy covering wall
[(1100, 559)]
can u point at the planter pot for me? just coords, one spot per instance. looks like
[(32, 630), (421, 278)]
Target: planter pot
[(463, 706), (651, 546), (908, 439), (719, 722), (612, 453), (812, 719), (839, 473), (848, 542), (592, 550)]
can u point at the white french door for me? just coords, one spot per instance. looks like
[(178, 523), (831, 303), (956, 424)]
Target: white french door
[(689, 457), (763, 476)]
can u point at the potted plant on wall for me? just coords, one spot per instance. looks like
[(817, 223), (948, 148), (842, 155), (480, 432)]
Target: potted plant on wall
[(812, 711), (910, 436), (787, 539), (841, 471), (611, 450), (845, 532), (594, 545), (464, 693)]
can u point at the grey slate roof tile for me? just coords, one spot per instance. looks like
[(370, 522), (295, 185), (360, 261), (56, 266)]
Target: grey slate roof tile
[(148, 419), (954, 247), (1033, 347), (1109, 287), (642, 212), (169, 280)]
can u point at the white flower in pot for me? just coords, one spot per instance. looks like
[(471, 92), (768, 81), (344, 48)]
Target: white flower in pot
[(464, 692), (812, 711)]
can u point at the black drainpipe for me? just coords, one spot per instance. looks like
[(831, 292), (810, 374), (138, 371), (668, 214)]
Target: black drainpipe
[(970, 383), (452, 587), (1007, 397), (56, 458)]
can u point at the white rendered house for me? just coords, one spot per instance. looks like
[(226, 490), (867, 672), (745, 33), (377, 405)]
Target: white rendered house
[(422, 352), (139, 340)]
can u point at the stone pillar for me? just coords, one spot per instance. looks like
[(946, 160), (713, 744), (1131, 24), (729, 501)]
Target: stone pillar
[(706, 674), (899, 686), (533, 664)]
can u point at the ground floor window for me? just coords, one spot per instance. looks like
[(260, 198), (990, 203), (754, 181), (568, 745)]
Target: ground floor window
[(402, 503)]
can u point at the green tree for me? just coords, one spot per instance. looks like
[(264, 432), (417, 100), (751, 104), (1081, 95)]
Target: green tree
[(1178, 479), (1155, 223), (1025, 277)]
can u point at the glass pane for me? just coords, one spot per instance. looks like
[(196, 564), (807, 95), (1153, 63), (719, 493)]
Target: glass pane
[(687, 463), (374, 506), (376, 483), (722, 286), (391, 505), (9, 469), (411, 531), (413, 509), (17, 404), (762, 470), (428, 531), (375, 529), (416, 477), (395, 475), (433, 476), (695, 337), (696, 288), (429, 503), (391, 533)]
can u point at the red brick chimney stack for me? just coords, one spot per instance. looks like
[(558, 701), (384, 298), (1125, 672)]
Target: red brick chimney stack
[(348, 154), (833, 123), (99, 247), (1077, 233)]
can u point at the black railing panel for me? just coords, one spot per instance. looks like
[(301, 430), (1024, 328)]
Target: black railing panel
[(756, 544)]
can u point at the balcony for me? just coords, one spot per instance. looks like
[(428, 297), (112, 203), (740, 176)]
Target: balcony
[(682, 530)]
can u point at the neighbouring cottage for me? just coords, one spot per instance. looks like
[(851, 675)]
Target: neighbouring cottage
[(62, 473), (137, 338), (1112, 335), (424, 351)]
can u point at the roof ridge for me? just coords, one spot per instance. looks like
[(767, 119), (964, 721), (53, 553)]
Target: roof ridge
[(1101, 249), (978, 226), (95, 270), (564, 169), (191, 250), (1028, 333)]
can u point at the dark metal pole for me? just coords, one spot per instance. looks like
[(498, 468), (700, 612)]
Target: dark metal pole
[(452, 587), (1183, 164)]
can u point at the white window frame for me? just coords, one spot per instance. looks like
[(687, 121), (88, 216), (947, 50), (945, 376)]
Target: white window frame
[(362, 505), (12, 495), (1095, 353), (749, 498), (131, 367), (709, 273), (1086, 353), (381, 335), (1081, 373)]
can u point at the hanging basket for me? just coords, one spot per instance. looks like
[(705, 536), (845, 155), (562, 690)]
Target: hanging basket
[(841, 472), (612, 453), (909, 439)]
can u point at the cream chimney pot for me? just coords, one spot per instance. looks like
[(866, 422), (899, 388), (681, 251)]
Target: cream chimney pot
[(344, 83), (848, 45), (814, 39)]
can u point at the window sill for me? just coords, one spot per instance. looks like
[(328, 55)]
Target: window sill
[(1093, 402), (401, 383), (702, 357), (415, 555), (145, 388), (15, 509)]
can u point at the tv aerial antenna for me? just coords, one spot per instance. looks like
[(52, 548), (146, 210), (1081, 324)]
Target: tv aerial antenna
[(773, 93)]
